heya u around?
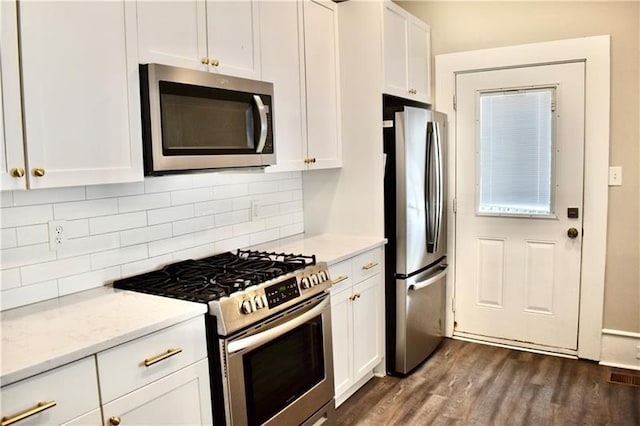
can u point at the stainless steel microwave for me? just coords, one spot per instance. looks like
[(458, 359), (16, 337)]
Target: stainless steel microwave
[(195, 120)]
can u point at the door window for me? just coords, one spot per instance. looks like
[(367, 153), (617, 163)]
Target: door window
[(516, 152)]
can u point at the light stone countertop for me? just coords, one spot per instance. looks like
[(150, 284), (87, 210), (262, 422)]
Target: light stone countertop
[(328, 248), (45, 335)]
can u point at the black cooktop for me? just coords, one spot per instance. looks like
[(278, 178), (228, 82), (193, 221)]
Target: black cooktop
[(210, 278)]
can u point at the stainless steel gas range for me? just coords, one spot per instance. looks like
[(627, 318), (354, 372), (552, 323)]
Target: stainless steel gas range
[(269, 332)]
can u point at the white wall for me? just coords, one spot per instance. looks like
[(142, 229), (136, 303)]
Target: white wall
[(121, 230)]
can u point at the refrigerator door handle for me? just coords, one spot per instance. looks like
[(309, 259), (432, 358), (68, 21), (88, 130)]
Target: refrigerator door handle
[(433, 187), (431, 280), (439, 184)]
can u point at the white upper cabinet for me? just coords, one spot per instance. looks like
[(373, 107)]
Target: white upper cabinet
[(219, 36), (282, 56), (12, 165), (80, 93), (173, 33), (324, 147), (300, 56), (407, 54)]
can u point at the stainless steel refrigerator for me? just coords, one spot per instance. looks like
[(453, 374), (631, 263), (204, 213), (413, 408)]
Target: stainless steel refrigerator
[(415, 226)]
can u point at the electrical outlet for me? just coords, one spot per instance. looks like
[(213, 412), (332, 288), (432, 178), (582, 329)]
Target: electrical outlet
[(255, 210), (615, 176), (57, 235)]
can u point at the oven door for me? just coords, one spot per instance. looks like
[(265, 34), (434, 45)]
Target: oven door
[(281, 371)]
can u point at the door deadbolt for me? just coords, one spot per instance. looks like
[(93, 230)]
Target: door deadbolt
[(572, 232)]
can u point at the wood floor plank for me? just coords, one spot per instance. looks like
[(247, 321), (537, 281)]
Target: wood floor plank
[(466, 383)]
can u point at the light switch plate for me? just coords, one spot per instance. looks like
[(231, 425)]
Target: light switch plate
[(615, 176)]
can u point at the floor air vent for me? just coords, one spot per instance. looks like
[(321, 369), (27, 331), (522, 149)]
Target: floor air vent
[(625, 379)]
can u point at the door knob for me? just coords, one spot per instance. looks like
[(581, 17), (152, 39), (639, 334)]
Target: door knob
[(572, 232)]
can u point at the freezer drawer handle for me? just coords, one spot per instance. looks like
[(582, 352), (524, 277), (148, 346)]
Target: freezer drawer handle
[(422, 284)]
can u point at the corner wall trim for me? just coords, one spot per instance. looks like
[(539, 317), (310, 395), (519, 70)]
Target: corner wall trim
[(620, 349)]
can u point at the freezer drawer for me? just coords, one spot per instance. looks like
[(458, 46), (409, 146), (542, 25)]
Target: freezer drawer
[(419, 316)]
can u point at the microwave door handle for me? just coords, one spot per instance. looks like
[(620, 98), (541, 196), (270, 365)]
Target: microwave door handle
[(275, 332), (262, 112)]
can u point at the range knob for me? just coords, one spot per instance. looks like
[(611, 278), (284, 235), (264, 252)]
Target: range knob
[(258, 302), (305, 283), (245, 307), (322, 276), (314, 280)]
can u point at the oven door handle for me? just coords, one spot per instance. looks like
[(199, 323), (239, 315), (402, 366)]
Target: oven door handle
[(275, 332)]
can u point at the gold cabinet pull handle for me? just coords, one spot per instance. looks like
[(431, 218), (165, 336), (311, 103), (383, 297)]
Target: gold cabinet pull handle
[(169, 353), (38, 172), (369, 265), (114, 420), (354, 297), (340, 279), (18, 172), (6, 421)]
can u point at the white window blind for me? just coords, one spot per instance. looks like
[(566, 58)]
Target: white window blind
[(516, 140)]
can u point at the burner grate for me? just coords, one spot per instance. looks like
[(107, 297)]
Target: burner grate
[(213, 277)]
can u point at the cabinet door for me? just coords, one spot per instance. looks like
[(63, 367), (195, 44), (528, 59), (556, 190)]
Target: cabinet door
[(80, 92), (396, 50), (282, 64), (172, 33), (181, 398), (233, 37), (322, 83), (367, 326), (92, 418), (419, 61), (12, 148), (342, 340)]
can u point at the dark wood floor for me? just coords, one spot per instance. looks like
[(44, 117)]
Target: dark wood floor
[(472, 384)]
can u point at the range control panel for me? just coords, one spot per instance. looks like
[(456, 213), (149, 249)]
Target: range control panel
[(282, 292)]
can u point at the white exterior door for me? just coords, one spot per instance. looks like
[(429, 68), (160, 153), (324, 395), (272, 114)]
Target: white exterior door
[(520, 151)]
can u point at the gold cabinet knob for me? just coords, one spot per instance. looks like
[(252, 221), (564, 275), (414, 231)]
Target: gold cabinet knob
[(413, 91), (18, 172), (38, 172), (572, 232), (114, 420), (215, 62), (313, 160), (204, 61)]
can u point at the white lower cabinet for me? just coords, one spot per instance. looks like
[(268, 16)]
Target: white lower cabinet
[(158, 379), (357, 323), (64, 395)]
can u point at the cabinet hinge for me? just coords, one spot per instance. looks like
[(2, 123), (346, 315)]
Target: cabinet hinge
[(455, 205), (455, 103)]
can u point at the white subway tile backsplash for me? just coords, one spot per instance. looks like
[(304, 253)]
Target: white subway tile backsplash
[(122, 230), (212, 235), (189, 196), (55, 269), (29, 294), (10, 278), (6, 199), (48, 196), (146, 234), (88, 280), (33, 234), (114, 190), (213, 207), (27, 255), (195, 224), (144, 202), (85, 209), (120, 222), (118, 256), (28, 215), (168, 183), (170, 214), (8, 238), (160, 247), (146, 265), (230, 191), (88, 245)]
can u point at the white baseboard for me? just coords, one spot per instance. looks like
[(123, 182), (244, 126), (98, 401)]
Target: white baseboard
[(620, 349)]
